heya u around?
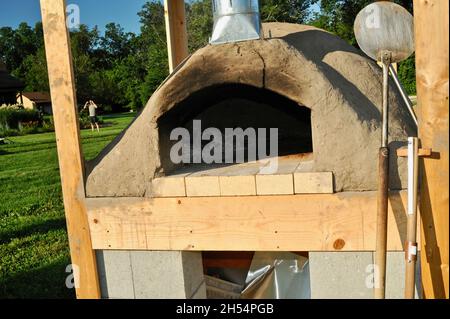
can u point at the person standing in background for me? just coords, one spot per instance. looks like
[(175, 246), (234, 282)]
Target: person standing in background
[(92, 114)]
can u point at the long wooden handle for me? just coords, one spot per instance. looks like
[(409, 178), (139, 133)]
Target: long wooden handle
[(382, 222)]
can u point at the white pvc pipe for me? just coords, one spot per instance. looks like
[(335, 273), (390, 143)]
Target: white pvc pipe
[(413, 174), (411, 234)]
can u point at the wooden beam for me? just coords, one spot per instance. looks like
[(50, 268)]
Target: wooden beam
[(432, 63), (403, 152), (227, 259), (176, 31), (62, 87), (324, 222)]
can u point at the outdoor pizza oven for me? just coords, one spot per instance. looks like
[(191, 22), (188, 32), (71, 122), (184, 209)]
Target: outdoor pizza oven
[(322, 95), (255, 162)]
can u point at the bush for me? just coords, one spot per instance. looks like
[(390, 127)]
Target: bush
[(407, 75), (85, 120), (16, 121), (17, 118), (48, 124), (8, 133)]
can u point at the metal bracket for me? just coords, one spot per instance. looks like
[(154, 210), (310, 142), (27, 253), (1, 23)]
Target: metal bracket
[(411, 252), (386, 57)]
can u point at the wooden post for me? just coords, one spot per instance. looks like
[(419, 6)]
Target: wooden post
[(176, 31), (432, 60), (62, 87)]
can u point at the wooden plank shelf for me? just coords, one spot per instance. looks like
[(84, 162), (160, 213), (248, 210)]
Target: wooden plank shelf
[(322, 222)]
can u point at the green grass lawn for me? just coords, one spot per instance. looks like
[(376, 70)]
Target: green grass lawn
[(34, 250)]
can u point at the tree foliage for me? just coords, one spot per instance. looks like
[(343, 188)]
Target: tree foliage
[(200, 23), (292, 11), (120, 70), (338, 17)]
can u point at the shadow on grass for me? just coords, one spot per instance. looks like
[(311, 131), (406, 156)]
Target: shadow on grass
[(38, 147), (47, 282), (32, 229)]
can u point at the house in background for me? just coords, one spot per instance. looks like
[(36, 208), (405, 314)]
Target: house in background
[(10, 87), (36, 101)]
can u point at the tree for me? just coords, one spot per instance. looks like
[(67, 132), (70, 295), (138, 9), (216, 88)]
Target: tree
[(338, 17), (7, 47), (200, 17), (83, 42), (34, 72), (114, 45), (17, 44), (153, 31), (22, 50), (292, 11), (122, 70), (199, 23), (152, 48), (407, 74)]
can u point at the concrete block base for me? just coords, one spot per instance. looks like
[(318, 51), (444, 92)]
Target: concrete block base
[(350, 275), (151, 275)]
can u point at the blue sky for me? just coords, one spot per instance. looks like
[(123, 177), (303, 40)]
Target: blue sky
[(92, 12)]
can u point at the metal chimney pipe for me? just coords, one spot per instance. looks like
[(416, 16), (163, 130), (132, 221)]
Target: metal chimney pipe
[(236, 20)]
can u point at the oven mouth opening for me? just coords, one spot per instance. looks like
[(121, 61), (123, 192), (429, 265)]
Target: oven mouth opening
[(227, 109)]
